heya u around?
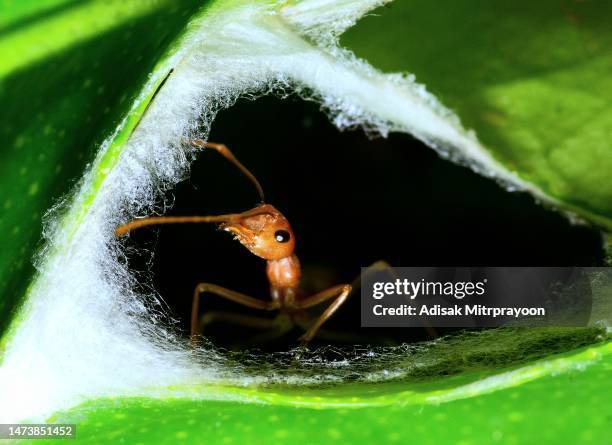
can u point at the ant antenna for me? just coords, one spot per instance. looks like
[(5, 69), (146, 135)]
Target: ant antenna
[(156, 220), (227, 154), (229, 218)]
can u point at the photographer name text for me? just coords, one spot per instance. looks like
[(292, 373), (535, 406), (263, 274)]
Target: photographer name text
[(457, 310)]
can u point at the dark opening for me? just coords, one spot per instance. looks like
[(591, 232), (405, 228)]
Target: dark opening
[(351, 201)]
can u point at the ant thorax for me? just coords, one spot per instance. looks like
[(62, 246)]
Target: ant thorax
[(284, 276)]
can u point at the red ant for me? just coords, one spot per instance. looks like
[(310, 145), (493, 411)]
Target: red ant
[(266, 233)]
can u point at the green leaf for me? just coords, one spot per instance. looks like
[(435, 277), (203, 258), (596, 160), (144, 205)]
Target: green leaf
[(553, 400), (531, 78), (69, 72)]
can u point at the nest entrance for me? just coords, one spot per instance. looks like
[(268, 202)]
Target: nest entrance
[(351, 201)]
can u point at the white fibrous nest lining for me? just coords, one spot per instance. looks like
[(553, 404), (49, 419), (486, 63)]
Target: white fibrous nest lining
[(86, 331)]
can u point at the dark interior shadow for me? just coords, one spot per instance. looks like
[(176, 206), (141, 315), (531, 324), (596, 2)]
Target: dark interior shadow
[(351, 201)]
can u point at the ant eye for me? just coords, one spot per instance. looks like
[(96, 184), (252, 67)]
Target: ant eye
[(282, 236)]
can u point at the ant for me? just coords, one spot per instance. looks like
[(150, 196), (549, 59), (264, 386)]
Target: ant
[(266, 233)]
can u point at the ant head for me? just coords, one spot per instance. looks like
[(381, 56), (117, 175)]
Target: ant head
[(264, 231)]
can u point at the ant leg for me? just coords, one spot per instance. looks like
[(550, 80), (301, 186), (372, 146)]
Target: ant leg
[(342, 291), (329, 293), (281, 325), (229, 294), (277, 327), (377, 266), (382, 265), (347, 337), (249, 321)]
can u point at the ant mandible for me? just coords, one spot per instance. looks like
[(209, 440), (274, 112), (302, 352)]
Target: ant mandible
[(267, 234)]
